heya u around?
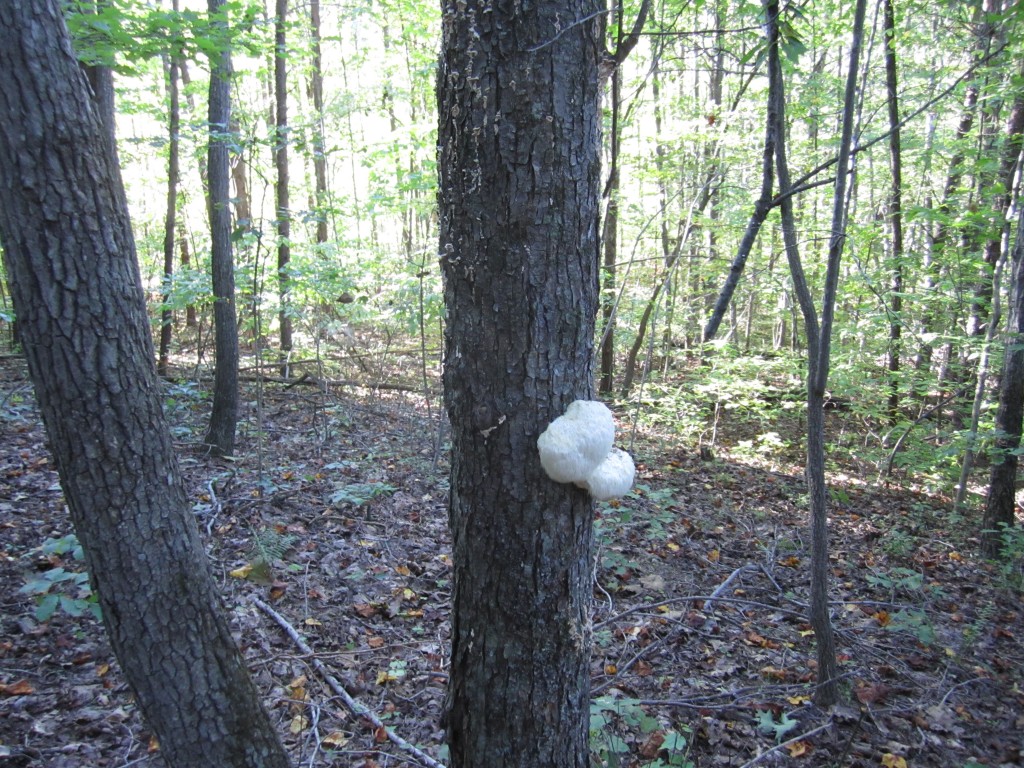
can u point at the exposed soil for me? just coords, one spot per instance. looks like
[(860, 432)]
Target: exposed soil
[(345, 496)]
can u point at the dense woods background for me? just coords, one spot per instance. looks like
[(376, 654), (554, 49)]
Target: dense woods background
[(755, 172), (333, 169)]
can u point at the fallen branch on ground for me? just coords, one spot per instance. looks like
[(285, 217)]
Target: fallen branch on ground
[(709, 606), (354, 706)]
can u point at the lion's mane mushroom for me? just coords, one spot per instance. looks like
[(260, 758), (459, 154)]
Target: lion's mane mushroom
[(577, 448), (613, 476)]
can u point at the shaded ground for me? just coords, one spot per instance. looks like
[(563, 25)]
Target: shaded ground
[(334, 516)]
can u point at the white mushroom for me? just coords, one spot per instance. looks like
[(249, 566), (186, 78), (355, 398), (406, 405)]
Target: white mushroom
[(577, 448)]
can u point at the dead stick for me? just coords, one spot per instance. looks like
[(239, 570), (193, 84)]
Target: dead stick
[(709, 606), (786, 743), (354, 706)]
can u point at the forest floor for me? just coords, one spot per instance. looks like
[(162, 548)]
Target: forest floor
[(333, 516)]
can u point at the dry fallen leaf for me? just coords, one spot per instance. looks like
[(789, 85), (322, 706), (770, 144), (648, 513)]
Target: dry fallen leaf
[(20, 688), (798, 749), (652, 745), (241, 573), (335, 739), (874, 693)]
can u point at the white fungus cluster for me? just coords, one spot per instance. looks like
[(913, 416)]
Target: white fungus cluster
[(577, 448)]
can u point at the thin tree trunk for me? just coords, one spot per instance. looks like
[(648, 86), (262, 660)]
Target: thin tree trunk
[(828, 683), (895, 215), (316, 79), (171, 217), (220, 437), (685, 229), (818, 340), (281, 161), (77, 290), (609, 240), (762, 207), (940, 234), (191, 320), (967, 462)]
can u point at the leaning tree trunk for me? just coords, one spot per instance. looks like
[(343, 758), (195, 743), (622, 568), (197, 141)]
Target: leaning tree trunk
[(77, 290), (220, 436), (519, 200)]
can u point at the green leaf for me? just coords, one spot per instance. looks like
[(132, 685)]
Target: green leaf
[(72, 606), (674, 742), (46, 608), (766, 724)]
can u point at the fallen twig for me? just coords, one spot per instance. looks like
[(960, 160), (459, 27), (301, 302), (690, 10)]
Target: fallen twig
[(695, 599), (709, 606), (786, 743), (356, 707)]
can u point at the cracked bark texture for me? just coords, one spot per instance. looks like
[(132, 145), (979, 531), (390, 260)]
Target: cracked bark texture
[(75, 282), (518, 205)]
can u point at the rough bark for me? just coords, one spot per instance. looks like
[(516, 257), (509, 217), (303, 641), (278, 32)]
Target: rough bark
[(518, 203), (220, 436), (69, 252)]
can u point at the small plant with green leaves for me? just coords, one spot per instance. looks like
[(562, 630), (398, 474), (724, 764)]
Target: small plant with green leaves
[(612, 717), (60, 588), (358, 494), (898, 543), (908, 583), (267, 546), (1011, 563), (896, 580)]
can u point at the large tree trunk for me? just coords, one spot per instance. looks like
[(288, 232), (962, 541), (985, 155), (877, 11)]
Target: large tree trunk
[(519, 196), (220, 436), (1000, 505), (71, 258)]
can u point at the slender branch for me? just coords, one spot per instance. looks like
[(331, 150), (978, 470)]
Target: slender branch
[(786, 743), (356, 707), (561, 32), (628, 43), (798, 185), (710, 604)]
